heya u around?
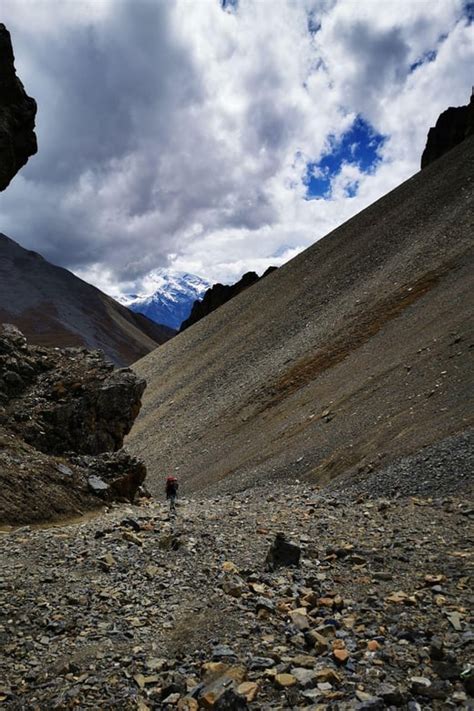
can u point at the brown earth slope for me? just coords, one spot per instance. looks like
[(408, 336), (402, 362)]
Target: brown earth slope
[(53, 307), (350, 356)]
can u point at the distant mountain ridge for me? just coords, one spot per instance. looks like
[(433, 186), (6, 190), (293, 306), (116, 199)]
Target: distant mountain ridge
[(55, 308), (219, 294), (172, 298)]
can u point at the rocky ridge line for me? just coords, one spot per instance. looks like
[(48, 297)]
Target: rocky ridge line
[(452, 127), (219, 294)]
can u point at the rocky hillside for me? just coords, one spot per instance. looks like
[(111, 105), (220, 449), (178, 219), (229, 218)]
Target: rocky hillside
[(17, 116), (53, 307), (453, 126), (63, 417), (220, 294), (352, 355)]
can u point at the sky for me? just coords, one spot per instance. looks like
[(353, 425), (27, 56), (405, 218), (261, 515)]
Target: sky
[(219, 136)]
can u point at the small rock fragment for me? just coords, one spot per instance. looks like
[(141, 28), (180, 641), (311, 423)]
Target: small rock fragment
[(249, 689), (285, 680)]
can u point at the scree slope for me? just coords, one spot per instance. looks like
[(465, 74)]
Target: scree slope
[(352, 355)]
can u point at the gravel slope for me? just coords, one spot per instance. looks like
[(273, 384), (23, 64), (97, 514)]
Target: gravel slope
[(350, 356)]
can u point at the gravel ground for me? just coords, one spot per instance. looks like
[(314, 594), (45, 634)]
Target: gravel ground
[(129, 610)]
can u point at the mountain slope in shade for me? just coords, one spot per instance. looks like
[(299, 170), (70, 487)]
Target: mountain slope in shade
[(172, 297), (53, 307), (350, 356)]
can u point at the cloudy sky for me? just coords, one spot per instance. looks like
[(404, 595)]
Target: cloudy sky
[(219, 136)]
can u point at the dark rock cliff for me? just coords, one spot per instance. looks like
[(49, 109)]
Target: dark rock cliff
[(453, 126), (17, 115), (219, 294)]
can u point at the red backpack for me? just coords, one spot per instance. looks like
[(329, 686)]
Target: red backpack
[(171, 483)]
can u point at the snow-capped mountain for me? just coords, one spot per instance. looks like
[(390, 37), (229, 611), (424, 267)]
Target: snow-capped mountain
[(169, 298)]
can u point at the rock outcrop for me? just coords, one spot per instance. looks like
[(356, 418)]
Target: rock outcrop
[(453, 126), (17, 116), (63, 416), (219, 294), (114, 474)]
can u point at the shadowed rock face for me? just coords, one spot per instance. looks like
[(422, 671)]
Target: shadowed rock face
[(17, 116), (65, 400), (63, 416), (452, 127)]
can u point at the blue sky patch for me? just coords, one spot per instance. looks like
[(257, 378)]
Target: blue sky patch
[(468, 11), (425, 58), (360, 145), (229, 5)]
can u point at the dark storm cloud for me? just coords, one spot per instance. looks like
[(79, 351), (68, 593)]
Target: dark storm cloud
[(108, 84), (179, 131), (105, 91), (127, 157), (380, 58)]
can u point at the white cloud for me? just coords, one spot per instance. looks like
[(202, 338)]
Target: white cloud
[(179, 134)]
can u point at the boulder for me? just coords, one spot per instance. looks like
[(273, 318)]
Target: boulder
[(120, 474), (97, 486), (282, 553), (68, 402)]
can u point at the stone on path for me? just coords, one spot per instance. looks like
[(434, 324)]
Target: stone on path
[(285, 680), (282, 553)]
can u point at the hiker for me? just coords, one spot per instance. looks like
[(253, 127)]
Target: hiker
[(172, 491)]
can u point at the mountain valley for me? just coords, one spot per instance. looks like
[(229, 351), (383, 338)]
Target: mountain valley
[(319, 422)]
